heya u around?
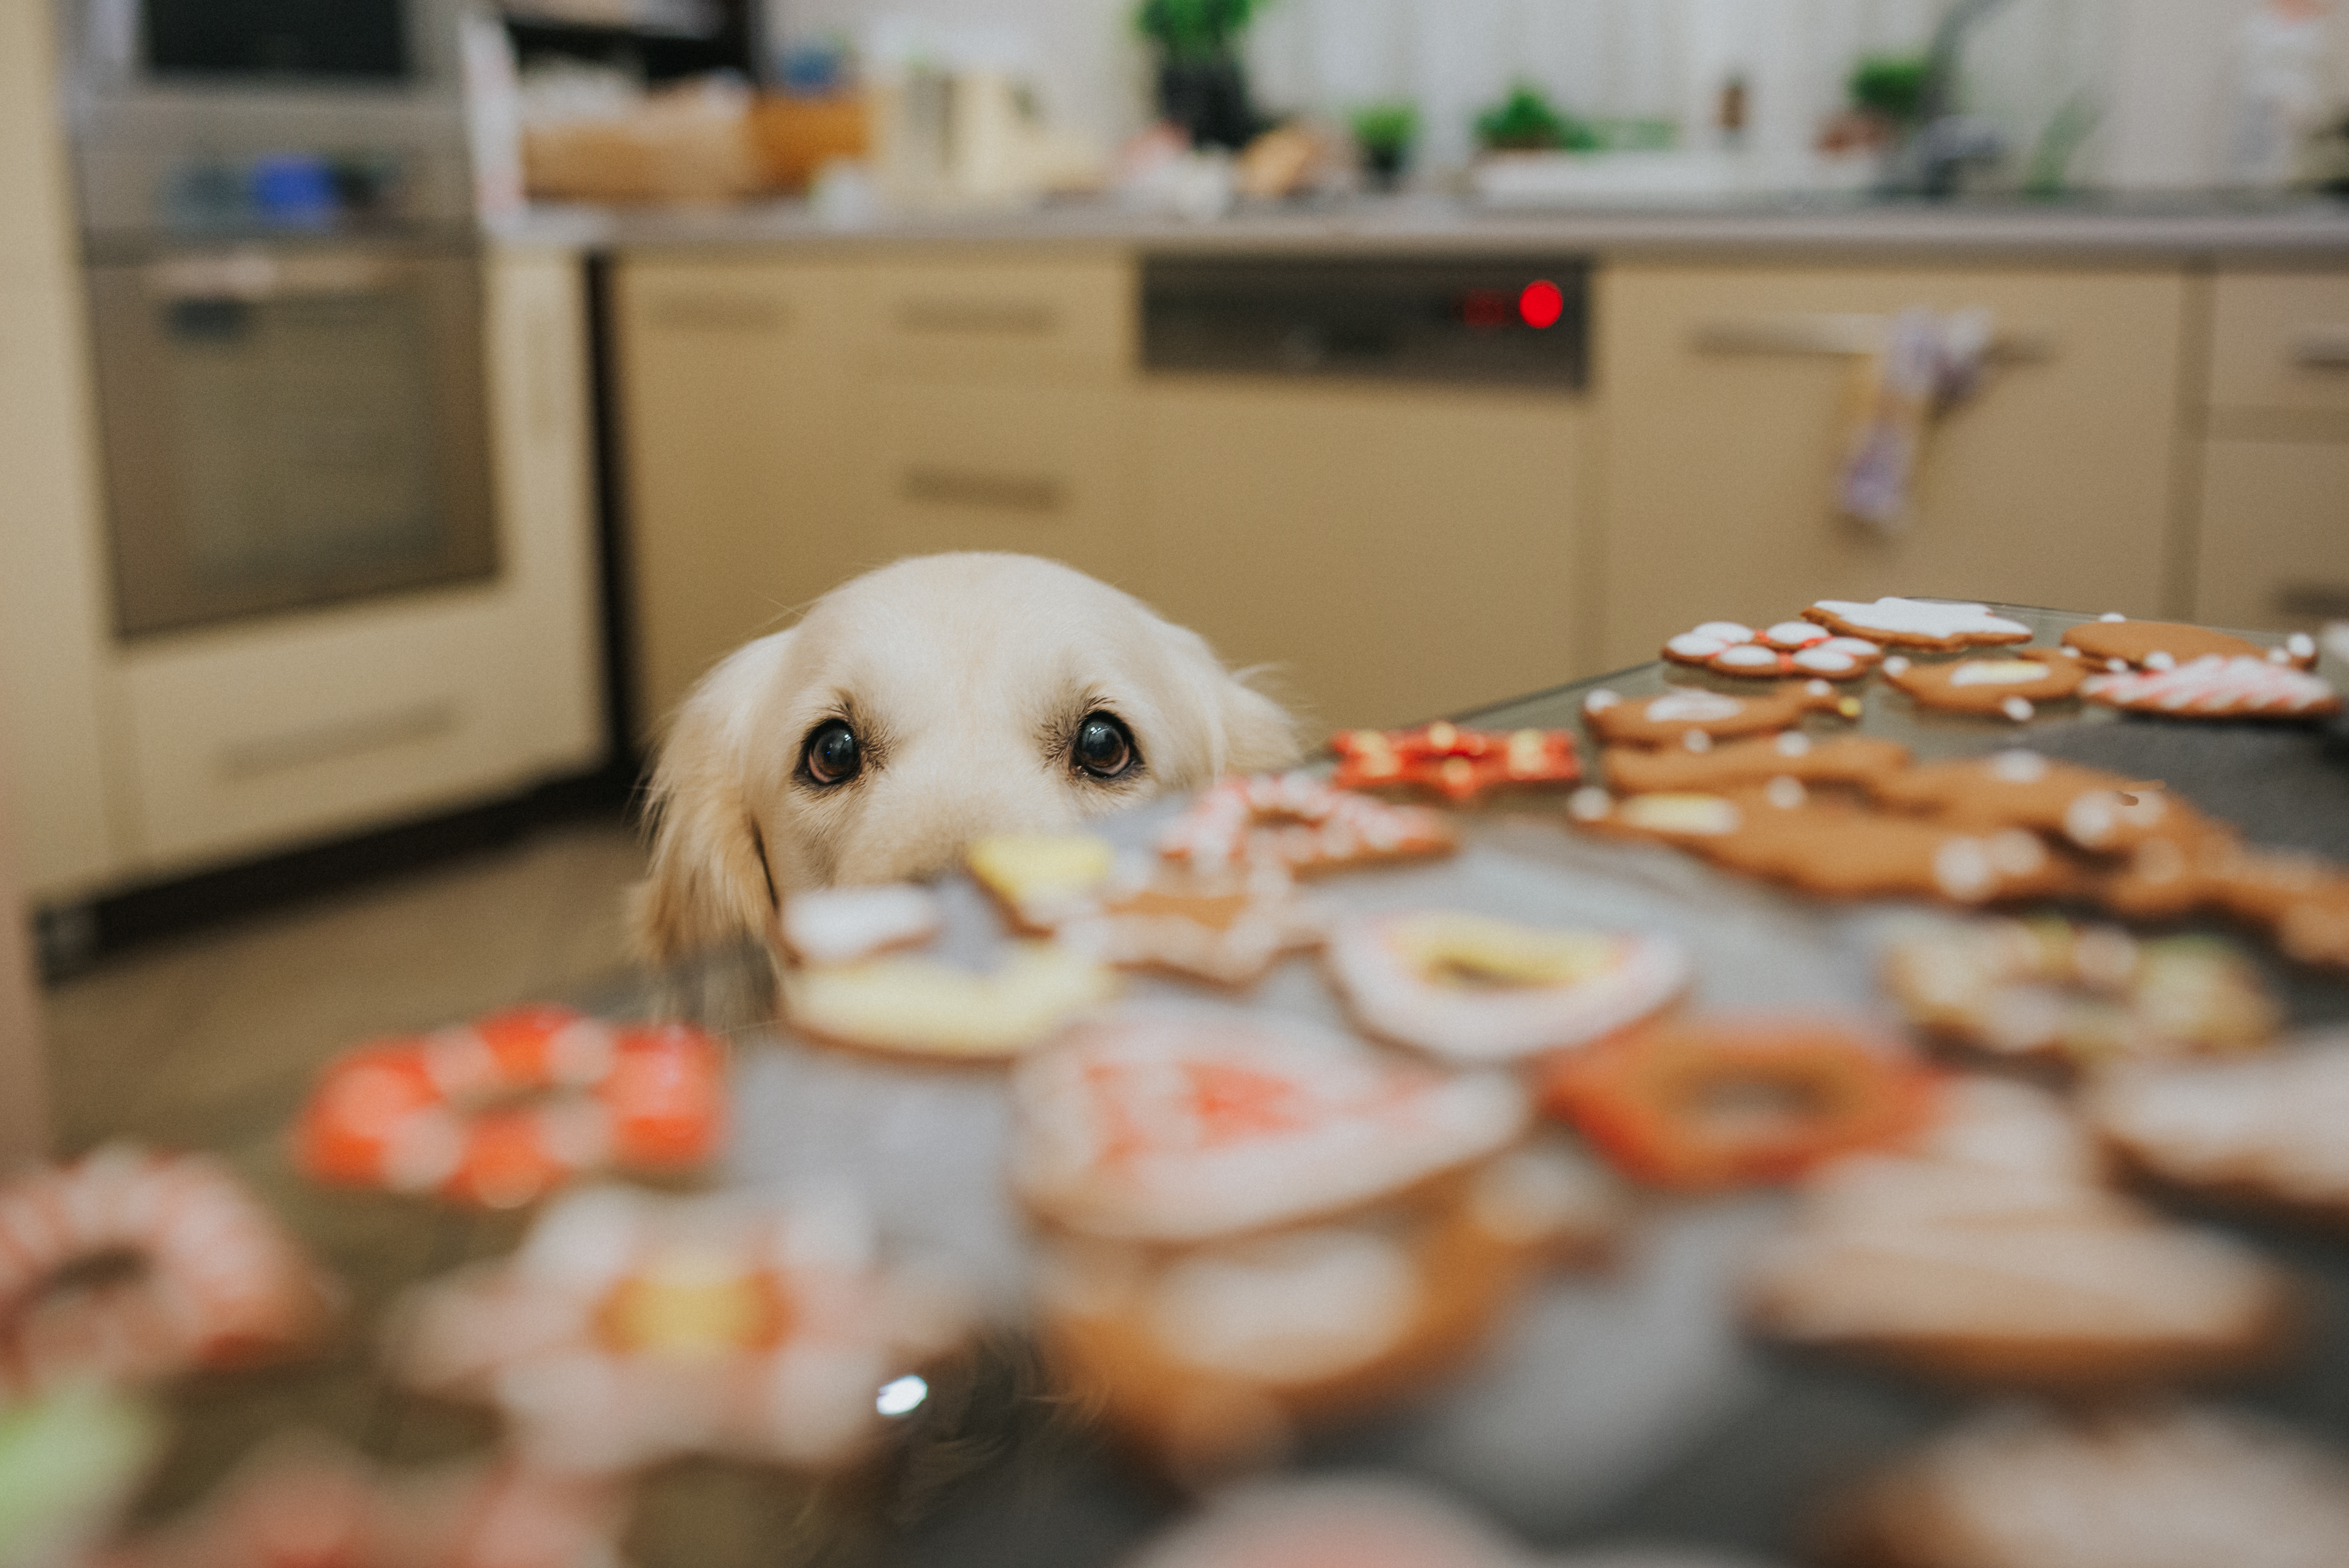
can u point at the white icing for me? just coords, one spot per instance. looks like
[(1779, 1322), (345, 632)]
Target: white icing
[(2111, 616), (1919, 617), (1898, 665), (1798, 634), (1696, 645), (2301, 645), (1826, 661), (2215, 685), (2272, 1121), (2017, 708), (2159, 660), (1793, 743), (1748, 656), (1785, 793), (1962, 868), (1727, 632), (2018, 767), (1692, 707), (1857, 648), (1589, 804), (1682, 813), (1696, 741), (840, 926), (1997, 672), (1291, 1308)]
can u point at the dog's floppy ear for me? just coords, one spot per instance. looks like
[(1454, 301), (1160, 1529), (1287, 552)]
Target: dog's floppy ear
[(1245, 730), (1259, 735), (709, 883)]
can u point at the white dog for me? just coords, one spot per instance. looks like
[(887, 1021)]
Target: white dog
[(915, 708)]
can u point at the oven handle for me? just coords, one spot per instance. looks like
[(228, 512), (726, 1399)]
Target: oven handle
[(252, 276)]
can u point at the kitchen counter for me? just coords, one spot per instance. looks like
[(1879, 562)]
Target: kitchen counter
[(1810, 228)]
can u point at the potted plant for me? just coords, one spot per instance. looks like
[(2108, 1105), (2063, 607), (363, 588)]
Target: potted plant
[(1526, 121), (1201, 85), (1384, 132)]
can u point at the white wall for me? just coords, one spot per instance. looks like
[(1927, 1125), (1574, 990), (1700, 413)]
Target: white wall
[(2162, 73)]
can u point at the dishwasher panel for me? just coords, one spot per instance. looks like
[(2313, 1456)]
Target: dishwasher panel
[(1494, 321)]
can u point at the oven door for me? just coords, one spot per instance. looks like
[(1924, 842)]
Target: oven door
[(290, 427)]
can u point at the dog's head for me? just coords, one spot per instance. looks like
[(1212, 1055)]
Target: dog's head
[(915, 708)]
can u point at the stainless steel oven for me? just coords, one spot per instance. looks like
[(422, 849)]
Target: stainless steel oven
[(288, 425)]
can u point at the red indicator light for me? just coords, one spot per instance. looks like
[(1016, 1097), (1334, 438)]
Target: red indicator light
[(1541, 304)]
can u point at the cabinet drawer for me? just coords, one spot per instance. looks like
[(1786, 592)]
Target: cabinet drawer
[(260, 739), (1026, 320), (1042, 470), (2274, 546), (2281, 340)]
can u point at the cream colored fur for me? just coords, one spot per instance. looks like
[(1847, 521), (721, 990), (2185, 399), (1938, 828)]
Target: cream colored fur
[(964, 676)]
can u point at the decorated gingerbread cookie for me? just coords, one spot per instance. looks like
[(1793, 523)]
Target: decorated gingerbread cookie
[(2264, 1132), (1224, 923), (1302, 823), (1459, 765), (2154, 1486), (629, 1329), (2080, 996), (1670, 720), (1929, 624), (2105, 813), (2010, 685), (1838, 851), (1736, 764), (2217, 687), (1180, 1125), (2302, 901), (1701, 1104), (1995, 1254), (840, 926), (1472, 988), (918, 1005), (1333, 1521), (1790, 649), (2114, 642)]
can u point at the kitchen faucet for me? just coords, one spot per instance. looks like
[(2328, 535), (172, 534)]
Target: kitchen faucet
[(1945, 140)]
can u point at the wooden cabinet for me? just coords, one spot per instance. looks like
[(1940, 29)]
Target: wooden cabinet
[(2053, 485), (735, 401), (2272, 545), (1392, 554)]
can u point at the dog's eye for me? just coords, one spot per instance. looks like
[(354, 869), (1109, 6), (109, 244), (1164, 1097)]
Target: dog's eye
[(1104, 747), (831, 756)]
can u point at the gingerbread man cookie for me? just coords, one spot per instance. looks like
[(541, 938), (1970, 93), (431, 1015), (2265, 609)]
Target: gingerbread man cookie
[(2114, 642), (2010, 686), (1224, 923), (1677, 714), (1845, 760), (1928, 624), (2217, 687), (2097, 811), (1298, 821)]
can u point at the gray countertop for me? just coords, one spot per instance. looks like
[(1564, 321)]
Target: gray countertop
[(2274, 232)]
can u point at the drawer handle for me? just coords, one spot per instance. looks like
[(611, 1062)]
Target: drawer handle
[(1838, 333), (718, 312), (972, 487), (2313, 601), (2321, 346), (1005, 318), (332, 742)]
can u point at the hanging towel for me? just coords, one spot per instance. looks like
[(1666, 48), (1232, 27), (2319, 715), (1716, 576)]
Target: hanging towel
[(1929, 363)]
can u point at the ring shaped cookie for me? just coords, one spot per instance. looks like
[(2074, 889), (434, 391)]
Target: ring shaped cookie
[(2080, 995), (501, 1113), (129, 1265), (1723, 1102), (1474, 989)]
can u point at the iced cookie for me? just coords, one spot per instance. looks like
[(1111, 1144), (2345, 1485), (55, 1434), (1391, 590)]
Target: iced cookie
[(922, 1007), (2263, 1131), (1226, 923), (629, 1329), (1735, 763), (2217, 687), (1992, 1254), (1790, 649), (2078, 996), (1181, 1125), (1928, 624), (1460, 765), (840, 926), (2094, 809), (1707, 1103), (1040, 879), (1841, 851), (1331, 1521), (1709, 715), (2302, 901), (1472, 988), (2151, 1487), (2164, 644), (2010, 686), (1297, 820)]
